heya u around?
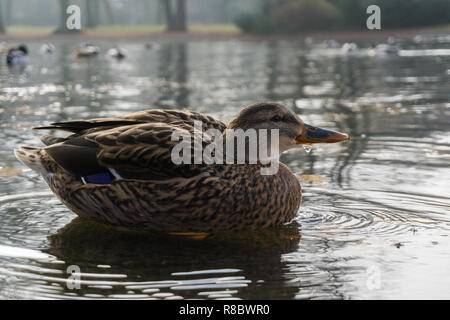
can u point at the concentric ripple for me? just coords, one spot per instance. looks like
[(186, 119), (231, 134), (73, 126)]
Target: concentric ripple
[(375, 217)]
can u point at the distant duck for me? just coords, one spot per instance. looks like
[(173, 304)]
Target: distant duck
[(331, 43), (17, 56), (349, 47), (151, 45), (309, 41), (86, 50), (384, 49), (47, 48), (391, 40), (3, 47), (116, 53)]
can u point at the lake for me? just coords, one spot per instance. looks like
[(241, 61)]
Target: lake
[(375, 216)]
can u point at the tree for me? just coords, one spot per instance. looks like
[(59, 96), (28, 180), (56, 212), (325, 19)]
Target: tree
[(2, 26), (180, 18), (8, 12), (93, 11), (166, 4), (108, 10), (175, 21)]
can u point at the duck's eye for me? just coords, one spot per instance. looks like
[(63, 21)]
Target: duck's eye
[(276, 119)]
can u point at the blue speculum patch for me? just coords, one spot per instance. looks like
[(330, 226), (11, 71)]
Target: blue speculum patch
[(98, 178)]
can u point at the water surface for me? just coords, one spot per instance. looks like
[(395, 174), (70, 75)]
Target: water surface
[(375, 217)]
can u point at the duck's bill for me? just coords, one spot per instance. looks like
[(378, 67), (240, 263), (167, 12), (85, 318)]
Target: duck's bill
[(318, 135)]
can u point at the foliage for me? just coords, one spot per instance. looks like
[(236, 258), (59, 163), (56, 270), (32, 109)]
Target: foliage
[(353, 13), (305, 15), (290, 16), (287, 16), (254, 23)]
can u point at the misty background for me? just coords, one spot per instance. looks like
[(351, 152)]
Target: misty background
[(250, 16)]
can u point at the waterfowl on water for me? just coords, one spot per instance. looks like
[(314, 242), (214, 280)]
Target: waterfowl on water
[(333, 44), (17, 56), (151, 45), (86, 50), (120, 171), (349, 47), (3, 47), (47, 48), (384, 49), (116, 53)]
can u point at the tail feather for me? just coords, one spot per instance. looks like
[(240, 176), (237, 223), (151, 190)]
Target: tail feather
[(49, 140), (78, 126), (31, 157)]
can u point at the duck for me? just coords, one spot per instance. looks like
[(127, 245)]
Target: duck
[(151, 45), (121, 171), (384, 49), (349, 47), (17, 56), (86, 50), (116, 53), (331, 44), (47, 48), (3, 47)]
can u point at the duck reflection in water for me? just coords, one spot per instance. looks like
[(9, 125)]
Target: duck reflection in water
[(152, 256)]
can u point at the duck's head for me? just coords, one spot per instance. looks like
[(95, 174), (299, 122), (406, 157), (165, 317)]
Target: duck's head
[(292, 130), (23, 48)]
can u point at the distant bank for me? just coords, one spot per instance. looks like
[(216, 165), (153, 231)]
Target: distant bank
[(207, 32)]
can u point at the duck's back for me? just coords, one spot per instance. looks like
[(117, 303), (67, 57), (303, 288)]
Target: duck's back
[(136, 146)]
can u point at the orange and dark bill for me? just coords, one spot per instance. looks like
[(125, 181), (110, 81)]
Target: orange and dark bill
[(317, 135)]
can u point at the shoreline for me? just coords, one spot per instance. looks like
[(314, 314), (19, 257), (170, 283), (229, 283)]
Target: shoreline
[(204, 34)]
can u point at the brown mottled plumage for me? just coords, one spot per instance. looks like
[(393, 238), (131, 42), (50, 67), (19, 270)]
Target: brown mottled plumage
[(86, 50), (151, 191)]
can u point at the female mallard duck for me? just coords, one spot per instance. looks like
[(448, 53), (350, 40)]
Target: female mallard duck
[(86, 50), (120, 171)]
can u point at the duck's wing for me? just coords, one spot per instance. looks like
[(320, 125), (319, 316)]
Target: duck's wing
[(137, 146), (180, 118)]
